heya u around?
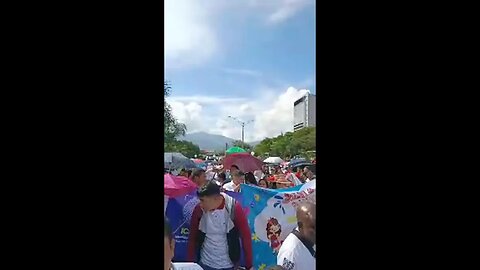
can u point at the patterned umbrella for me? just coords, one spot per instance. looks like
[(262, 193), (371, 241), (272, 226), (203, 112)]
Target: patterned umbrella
[(235, 149)]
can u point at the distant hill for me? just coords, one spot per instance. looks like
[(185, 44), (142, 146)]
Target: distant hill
[(207, 141)]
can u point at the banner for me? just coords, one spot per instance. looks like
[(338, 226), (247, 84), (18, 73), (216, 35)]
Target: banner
[(271, 217)]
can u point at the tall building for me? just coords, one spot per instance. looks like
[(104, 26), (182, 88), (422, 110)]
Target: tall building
[(304, 112)]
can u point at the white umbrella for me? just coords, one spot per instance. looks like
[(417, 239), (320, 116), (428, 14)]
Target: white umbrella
[(273, 160)]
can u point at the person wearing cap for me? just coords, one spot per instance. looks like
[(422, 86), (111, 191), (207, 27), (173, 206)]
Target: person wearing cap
[(217, 226), (238, 177)]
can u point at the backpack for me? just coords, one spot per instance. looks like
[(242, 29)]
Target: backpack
[(230, 206)]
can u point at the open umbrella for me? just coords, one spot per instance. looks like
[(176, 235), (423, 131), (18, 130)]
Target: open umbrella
[(235, 149), (273, 160), (198, 161), (293, 162), (177, 185), (244, 161), (301, 165), (175, 161)]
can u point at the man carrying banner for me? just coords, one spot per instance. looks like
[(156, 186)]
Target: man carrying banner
[(297, 251), (218, 223)]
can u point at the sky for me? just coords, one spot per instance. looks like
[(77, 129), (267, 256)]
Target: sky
[(249, 59)]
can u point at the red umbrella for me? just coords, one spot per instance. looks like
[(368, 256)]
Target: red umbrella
[(177, 185), (244, 161)]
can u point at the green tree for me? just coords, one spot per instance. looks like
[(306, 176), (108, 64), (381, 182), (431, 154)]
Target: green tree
[(289, 144), (172, 128), (187, 148)]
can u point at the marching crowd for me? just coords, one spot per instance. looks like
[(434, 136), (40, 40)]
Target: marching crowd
[(219, 230)]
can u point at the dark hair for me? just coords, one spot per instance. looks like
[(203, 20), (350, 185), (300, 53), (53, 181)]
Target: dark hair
[(273, 185), (234, 166), (197, 173), (167, 231), (264, 180), (238, 174), (222, 176), (209, 189), (311, 168), (250, 178)]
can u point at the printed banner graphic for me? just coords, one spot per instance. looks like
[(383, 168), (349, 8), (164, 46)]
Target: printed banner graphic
[(271, 217)]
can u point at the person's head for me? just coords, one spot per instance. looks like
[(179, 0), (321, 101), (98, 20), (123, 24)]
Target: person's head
[(309, 171), (199, 177), (183, 172), (169, 245), (238, 177), (234, 169), (221, 177), (250, 179), (210, 196), (263, 183), (306, 219)]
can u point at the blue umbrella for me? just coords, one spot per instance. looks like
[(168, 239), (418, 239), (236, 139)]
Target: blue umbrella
[(175, 161), (294, 162)]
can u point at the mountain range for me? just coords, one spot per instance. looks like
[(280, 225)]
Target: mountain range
[(207, 141)]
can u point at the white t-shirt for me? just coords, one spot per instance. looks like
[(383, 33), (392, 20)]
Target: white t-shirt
[(230, 186), (186, 266), (293, 255)]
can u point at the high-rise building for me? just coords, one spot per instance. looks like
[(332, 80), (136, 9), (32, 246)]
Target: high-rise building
[(304, 112)]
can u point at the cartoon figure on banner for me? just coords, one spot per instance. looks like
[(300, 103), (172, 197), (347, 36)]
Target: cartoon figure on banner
[(274, 229)]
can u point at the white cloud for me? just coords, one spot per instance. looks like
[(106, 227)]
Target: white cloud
[(206, 99), (190, 38), (281, 10), (272, 114)]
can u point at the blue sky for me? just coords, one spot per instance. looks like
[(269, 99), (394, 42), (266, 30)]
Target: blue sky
[(246, 58)]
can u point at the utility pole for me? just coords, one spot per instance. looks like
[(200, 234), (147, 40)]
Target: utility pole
[(243, 126)]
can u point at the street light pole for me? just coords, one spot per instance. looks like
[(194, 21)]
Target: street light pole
[(243, 132), (243, 126)]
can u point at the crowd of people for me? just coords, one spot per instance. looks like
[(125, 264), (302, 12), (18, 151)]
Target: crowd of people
[(219, 230), (272, 177)]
